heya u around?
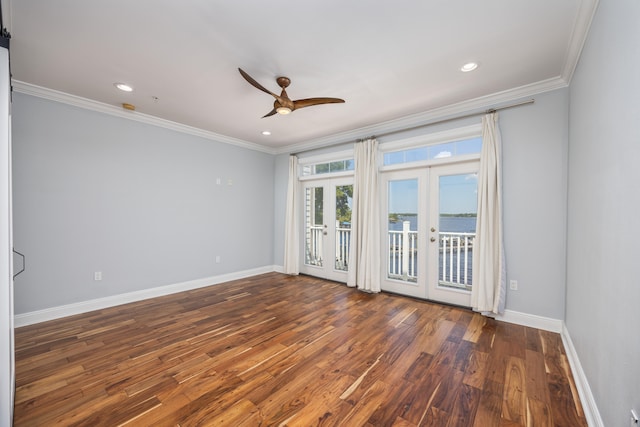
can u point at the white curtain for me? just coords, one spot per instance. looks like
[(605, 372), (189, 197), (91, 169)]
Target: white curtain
[(489, 272), (364, 255), (291, 230)]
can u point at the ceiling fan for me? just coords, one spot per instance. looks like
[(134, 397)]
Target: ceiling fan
[(283, 104)]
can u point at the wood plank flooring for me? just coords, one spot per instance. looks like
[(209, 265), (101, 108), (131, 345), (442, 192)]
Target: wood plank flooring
[(274, 350)]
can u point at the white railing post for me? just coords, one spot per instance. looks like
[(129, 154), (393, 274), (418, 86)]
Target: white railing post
[(412, 272), (458, 247), (466, 260), (337, 257), (406, 225), (443, 239), (396, 255), (391, 255), (450, 258), (347, 247)]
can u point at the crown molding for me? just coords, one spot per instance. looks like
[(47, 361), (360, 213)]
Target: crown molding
[(100, 107), (579, 33), (425, 118)]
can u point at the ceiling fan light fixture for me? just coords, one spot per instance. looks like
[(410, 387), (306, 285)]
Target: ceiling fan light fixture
[(283, 104), (123, 87), (469, 66)]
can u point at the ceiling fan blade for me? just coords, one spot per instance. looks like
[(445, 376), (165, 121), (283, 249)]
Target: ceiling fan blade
[(301, 103), (270, 113), (257, 85)]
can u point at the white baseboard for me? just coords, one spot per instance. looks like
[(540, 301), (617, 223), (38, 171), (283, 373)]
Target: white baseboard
[(531, 320), (278, 268), (52, 313), (589, 406)]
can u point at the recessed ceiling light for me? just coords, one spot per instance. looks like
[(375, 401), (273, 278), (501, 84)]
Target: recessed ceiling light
[(266, 133), (123, 87), (469, 66)]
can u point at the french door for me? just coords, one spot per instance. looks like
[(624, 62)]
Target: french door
[(326, 222), (404, 220), (429, 217)]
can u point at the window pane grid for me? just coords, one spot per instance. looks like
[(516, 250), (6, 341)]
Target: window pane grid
[(431, 152), (328, 167)]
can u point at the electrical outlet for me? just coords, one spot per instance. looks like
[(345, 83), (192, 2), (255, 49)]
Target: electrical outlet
[(97, 276), (513, 285), (218, 181), (217, 259)]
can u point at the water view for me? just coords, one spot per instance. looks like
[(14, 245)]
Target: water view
[(456, 236), (448, 223)]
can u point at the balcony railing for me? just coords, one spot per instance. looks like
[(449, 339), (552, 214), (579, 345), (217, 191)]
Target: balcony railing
[(454, 263), (343, 243), (456, 259), (314, 246), (314, 249), (403, 254)]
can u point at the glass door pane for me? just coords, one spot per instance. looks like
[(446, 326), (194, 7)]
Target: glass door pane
[(402, 230), (453, 206), (313, 226), (404, 246), (343, 203), (457, 225)]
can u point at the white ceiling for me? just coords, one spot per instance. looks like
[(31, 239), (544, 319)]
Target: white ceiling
[(387, 59)]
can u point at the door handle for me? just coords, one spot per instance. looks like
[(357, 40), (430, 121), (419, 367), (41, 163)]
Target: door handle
[(433, 239), (325, 233)]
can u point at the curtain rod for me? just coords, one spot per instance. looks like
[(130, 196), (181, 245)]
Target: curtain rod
[(437, 122)]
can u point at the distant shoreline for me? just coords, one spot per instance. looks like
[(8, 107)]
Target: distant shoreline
[(449, 215)]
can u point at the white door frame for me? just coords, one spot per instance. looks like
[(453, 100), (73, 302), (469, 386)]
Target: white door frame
[(427, 284), (327, 270)]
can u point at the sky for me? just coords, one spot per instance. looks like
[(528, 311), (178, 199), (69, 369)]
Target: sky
[(458, 194)]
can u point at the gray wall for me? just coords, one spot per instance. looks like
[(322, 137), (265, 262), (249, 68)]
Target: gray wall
[(535, 145), (535, 140), (139, 203), (603, 290)]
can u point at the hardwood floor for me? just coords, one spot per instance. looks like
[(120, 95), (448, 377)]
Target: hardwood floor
[(297, 351)]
